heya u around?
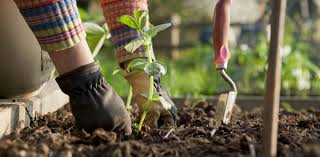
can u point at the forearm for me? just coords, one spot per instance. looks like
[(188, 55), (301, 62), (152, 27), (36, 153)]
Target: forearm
[(220, 29)]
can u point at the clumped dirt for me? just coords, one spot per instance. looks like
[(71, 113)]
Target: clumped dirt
[(195, 135)]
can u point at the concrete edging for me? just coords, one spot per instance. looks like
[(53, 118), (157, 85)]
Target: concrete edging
[(17, 113)]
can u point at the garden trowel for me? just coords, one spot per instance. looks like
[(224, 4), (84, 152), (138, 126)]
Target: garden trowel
[(221, 26), (226, 100)]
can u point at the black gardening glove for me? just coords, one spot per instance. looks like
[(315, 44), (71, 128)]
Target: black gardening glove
[(94, 103)]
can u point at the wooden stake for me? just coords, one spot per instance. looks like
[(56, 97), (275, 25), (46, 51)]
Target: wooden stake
[(175, 35), (272, 96)]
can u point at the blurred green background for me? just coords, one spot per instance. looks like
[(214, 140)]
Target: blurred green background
[(191, 71)]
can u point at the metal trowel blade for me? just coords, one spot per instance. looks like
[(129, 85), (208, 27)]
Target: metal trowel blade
[(224, 107)]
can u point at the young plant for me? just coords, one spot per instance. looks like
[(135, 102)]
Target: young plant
[(153, 68)]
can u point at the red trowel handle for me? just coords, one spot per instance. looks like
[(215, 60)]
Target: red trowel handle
[(221, 22)]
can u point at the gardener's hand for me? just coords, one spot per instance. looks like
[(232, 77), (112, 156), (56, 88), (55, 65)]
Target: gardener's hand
[(159, 113), (94, 103)]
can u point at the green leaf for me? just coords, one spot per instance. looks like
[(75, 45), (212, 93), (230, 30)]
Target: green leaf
[(96, 36), (92, 28), (134, 44), (116, 70), (99, 45), (129, 21), (155, 69), (141, 17), (137, 14), (154, 30), (143, 22), (137, 65), (95, 42), (156, 99)]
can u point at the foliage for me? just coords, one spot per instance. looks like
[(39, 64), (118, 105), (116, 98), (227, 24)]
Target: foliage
[(251, 66), (300, 76), (193, 74)]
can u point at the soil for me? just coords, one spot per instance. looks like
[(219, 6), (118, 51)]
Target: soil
[(195, 135)]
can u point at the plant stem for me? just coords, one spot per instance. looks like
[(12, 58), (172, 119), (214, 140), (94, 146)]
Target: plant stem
[(148, 49), (128, 103), (144, 114), (150, 77), (150, 88), (150, 96)]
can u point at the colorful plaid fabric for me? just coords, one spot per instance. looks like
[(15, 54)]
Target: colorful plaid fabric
[(121, 34), (55, 23)]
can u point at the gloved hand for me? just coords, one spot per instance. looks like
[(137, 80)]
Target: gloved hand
[(94, 103), (160, 113)]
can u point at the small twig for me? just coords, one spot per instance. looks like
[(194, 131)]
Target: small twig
[(167, 135), (251, 146), (128, 103), (213, 131), (304, 132)]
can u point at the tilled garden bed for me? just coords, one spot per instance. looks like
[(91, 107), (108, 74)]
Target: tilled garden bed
[(195, 135)]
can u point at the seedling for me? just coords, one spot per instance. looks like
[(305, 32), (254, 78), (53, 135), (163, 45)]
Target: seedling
[(153, 68)]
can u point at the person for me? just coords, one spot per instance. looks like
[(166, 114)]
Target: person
[(57, 27)]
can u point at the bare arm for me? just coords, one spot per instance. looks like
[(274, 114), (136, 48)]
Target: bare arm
[(221, 24)]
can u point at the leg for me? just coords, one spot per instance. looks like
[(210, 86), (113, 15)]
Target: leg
[(163, 112), (122, 35), (58, 29)]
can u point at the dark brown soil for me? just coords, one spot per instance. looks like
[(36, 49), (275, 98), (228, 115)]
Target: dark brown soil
[(196, 135)]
